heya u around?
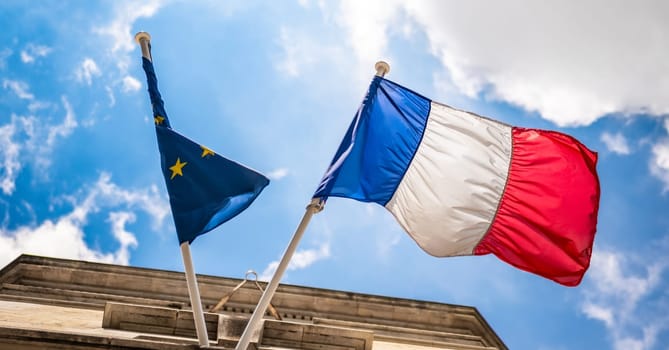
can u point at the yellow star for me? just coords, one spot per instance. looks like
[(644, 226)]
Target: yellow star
[(176, 168), (158, 119), (206, 151)]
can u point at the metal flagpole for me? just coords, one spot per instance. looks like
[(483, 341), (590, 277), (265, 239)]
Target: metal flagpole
[(315, 206), (143, 39), (194, 292)]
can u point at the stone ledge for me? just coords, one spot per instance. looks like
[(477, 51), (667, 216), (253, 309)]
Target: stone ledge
[(74, 298), (314, 337), (90, 285), (226, 330), (408, 335), (29, 339), (156, 320)]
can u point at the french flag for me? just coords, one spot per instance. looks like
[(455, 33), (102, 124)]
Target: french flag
[(463, 184)]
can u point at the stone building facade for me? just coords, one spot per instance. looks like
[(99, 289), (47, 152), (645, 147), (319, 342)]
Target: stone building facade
[(48, 303)]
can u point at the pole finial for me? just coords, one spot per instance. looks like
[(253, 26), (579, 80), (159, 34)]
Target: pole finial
[(142, 35), (382, 68), (144, 39)]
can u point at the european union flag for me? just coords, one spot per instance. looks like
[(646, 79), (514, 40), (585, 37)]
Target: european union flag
[(205, 188)]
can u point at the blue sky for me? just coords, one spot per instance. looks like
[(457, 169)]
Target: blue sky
[(274, 85)]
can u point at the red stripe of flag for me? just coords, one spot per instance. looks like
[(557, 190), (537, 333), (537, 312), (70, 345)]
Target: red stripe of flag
[(547, 218)]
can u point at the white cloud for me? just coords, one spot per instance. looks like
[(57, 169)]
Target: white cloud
[(119, 30), (32, 51), (127, 240), (26, 58), (27, 209), (87, 70), (9, 157), (65, 128), (300, 260), (386, 242), (150, 200), (300, 53), (290, 63), (622, 290), (305, 258), (15, 140), (35, 106), (126, 13), (110, 94), (41, 137), (64, 236), (616, 143), (659, 165), (660, 162), (598, 313), (4, 54), (20, 88), (118, 42), (130, 84), (568, 61), (368, 23), (24, 139), (278, 174)]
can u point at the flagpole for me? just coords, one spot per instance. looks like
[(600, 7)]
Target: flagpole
[(315, 206), (194, 293), (143, 39)]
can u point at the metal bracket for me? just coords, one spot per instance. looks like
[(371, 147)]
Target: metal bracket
[(228, 295)]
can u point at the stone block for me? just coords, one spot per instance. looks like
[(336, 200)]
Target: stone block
[(185, 324), (137, 317), (314, 337)]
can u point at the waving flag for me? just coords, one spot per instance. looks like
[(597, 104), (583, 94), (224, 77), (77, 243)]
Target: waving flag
[(462, 184), (205, 188)]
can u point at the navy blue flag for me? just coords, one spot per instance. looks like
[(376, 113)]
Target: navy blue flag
[(205, 188)]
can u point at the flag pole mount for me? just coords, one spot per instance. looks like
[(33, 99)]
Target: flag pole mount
[(382, 68)]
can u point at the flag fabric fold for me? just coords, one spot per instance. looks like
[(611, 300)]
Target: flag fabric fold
[(462, 184), (205, 189)]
